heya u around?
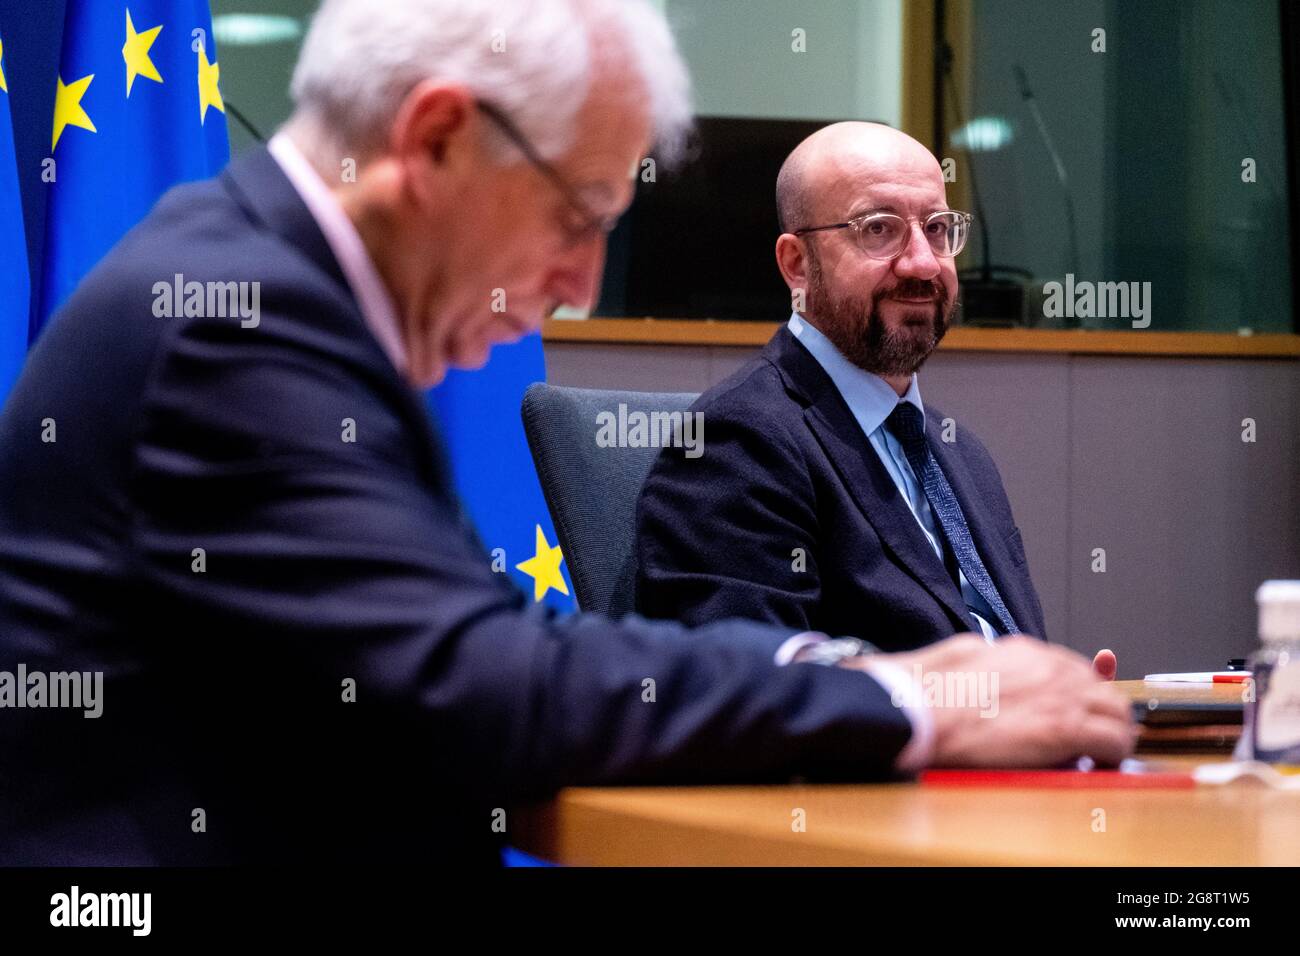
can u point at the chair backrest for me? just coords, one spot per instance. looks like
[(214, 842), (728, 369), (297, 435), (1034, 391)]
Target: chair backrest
[(592, 490)]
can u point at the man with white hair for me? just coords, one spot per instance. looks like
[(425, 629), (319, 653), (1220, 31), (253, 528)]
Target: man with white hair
[(249, 528)]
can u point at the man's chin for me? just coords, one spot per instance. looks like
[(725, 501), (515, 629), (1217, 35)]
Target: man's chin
[(905, 347), (428, 377), (471, 356), (903, 313)]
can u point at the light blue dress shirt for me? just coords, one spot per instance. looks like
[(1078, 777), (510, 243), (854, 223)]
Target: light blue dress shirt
[(871, 400)]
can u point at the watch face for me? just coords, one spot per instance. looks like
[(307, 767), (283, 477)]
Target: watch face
[(833, 651)]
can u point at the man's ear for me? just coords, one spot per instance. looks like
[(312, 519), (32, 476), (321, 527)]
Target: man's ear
[(435, 130), (792, 260)]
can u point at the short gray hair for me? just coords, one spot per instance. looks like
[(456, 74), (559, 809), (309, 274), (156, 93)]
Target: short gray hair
[(533, 59)]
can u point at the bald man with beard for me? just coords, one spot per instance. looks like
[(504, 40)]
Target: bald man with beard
[(828, 495)]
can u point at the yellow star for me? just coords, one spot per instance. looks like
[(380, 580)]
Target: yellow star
[(68, 110), (136, 54), (544, 568), (209, 95), (3, 85)]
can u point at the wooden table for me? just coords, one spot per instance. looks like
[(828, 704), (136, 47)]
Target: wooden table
[(910, 824)]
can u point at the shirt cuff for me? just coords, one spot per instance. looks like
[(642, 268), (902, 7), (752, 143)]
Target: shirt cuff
[(793, 645), (905, 692)]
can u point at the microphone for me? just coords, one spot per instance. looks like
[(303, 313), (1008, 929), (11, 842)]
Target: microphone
[(244, 122), (995, 294), (1027, 94), (986, 261)]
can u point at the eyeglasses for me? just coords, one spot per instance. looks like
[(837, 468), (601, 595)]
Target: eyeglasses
[(585, 224), (882, 235)]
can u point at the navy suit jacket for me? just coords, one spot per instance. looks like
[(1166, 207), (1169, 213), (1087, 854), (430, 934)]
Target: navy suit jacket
[(788, 516), (324, 565)]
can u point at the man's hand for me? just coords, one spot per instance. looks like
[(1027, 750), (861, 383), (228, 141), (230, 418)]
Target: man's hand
[(1104, 664), (1044, 705)]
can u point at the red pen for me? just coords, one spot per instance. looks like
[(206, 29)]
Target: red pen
[(1059, 779)]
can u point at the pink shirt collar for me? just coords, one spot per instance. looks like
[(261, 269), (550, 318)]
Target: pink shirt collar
[(345, 242)]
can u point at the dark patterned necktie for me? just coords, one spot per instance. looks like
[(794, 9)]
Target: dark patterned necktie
[(907, 425)]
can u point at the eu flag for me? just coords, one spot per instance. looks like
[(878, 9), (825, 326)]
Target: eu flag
[(478, 415), (15, 286), (138, 109)]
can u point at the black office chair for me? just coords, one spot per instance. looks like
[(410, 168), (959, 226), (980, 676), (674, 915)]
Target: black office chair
[(592, 491)]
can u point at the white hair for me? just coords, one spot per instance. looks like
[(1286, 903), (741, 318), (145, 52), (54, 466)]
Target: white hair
[(532, 59)]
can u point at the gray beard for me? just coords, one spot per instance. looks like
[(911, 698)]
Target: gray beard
[(871, 345)]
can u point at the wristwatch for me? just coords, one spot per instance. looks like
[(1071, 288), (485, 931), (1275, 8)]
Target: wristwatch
[(833, 651)]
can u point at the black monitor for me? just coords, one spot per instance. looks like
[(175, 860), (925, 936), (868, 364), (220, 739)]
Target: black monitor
[(698, 243)]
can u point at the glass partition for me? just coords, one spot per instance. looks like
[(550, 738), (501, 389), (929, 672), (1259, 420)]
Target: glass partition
[(1128, 162)]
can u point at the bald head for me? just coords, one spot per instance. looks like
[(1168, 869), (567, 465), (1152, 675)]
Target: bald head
[(824, 171)]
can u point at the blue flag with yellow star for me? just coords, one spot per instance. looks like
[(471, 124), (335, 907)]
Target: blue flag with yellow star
[(15, 286), (478, 415), (137, 110)]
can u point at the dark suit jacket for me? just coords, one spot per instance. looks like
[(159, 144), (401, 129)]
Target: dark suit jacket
[(324, 562), (786, 470)]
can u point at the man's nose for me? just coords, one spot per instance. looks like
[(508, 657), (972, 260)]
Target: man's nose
[(917, 260), (575, 281)]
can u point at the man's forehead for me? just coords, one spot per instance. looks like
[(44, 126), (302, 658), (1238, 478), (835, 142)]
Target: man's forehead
[(898, 198), (889, 180), (605, 157)]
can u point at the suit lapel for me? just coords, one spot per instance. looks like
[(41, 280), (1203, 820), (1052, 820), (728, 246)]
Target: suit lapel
[(863, 474), (259, 184), (265, 191)]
